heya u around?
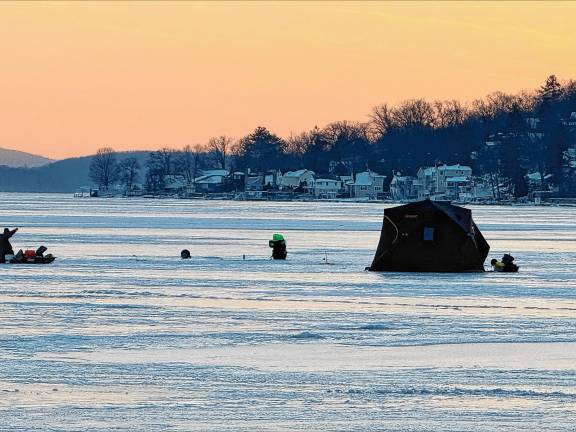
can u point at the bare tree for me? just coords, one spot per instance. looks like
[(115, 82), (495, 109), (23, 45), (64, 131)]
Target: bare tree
[(449, 113), (102, 169), (128, 172), (220, 147), (414, 113), (502, 102), (483, 110), (381, 119), (167, 158), (526, 100), (189, 162), (346, 139), (297, 144), (159, 165), (236, 150)]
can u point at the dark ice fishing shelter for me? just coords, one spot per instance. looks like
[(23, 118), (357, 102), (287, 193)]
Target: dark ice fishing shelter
[(430, 236)]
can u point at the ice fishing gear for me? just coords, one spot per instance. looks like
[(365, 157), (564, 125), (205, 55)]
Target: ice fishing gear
[(30, 256)]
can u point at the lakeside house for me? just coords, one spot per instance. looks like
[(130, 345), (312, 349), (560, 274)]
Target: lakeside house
[(327, 188), (263, 181), (300, 179), (211, 181), (444, 182), (367, 184), (403, 188)]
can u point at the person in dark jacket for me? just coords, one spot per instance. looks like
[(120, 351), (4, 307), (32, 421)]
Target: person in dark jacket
[(278, 245), (5, 246), (506, 264)]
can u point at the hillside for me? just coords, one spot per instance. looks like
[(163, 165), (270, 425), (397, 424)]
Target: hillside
[(15, 159), (66, 176)]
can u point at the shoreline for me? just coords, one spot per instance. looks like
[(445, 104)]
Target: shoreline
[(559, 202), (217, 197)]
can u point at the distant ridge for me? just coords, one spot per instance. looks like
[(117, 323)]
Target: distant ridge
[(67, 175), (18, 159)]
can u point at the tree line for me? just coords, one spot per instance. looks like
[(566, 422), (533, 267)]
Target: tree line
[(502, 135), (106, 170)]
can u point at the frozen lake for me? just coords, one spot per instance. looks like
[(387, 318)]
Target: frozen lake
[(120, 334)]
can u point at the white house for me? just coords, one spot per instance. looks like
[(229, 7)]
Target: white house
[(458, 188), (368, 184), (453, 180), (402, 188), (444, 182), (327, 188), (295, 179), (210, 180)]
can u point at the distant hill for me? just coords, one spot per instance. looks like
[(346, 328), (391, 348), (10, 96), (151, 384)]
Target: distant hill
[(15, 159), (66, 176)]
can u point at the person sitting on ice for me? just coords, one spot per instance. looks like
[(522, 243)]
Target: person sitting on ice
[(505, 265), (5, 246), (497, 265), (278, 245)]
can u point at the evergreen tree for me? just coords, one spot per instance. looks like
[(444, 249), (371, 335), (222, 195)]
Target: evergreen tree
[(261, 150), (551, 90), (512, 153)]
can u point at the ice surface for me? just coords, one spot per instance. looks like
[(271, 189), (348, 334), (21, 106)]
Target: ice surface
[(119, 333)]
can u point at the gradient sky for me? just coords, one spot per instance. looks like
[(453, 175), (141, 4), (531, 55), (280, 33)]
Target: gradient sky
[(79, 76)]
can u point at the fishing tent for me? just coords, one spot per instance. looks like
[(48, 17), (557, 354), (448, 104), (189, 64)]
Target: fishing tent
[(430, 236)]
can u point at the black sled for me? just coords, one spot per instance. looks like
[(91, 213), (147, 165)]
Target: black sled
[(32, 257)]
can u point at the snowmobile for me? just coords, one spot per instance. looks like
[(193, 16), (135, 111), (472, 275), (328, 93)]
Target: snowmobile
[(31, 256)]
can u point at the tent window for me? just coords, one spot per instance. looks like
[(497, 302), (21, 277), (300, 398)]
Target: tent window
[(428, 234)]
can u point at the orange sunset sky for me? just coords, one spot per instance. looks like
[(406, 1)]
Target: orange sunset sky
[(143, 75)]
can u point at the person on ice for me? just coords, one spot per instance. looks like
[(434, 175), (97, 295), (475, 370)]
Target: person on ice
[(497, 265), (5, 246), (505, 265), (278, 245)]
